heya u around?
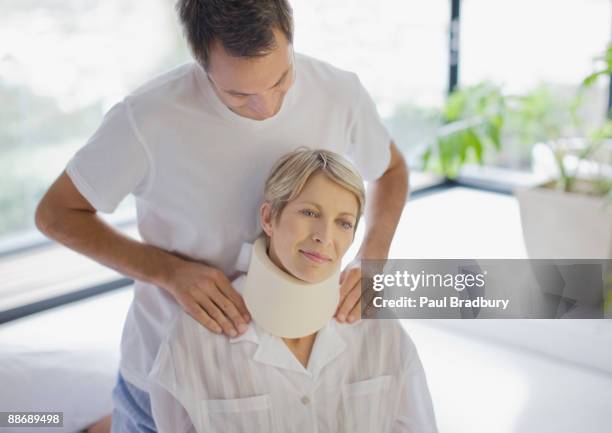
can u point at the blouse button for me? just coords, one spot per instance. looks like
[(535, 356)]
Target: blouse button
[(305, 400)]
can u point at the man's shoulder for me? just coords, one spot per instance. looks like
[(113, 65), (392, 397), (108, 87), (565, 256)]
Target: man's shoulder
[(164, 82), (321, 68), (319, 75), (153, 102)]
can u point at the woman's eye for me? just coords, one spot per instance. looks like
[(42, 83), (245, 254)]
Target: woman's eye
[(347, 225), (308, 212)]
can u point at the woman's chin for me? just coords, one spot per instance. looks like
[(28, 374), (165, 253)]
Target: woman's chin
[(312, 275)]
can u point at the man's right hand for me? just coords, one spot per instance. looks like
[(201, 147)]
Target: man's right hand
[(206, 294)]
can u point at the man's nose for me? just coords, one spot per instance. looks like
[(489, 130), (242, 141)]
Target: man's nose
[(265, 105)]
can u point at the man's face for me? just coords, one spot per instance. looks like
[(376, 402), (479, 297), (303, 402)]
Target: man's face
[(320, 220), (252, 87)]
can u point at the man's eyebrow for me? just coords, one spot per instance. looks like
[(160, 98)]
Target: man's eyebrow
[(319, 207), (236, 92)]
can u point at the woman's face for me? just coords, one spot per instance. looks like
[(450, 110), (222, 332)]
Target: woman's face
[(314, 231)]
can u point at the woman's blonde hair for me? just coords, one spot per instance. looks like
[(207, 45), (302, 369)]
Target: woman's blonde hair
[(291, 172)]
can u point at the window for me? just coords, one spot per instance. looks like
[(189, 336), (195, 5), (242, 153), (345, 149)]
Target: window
[(398, 49), (62, 66), (544, 48)]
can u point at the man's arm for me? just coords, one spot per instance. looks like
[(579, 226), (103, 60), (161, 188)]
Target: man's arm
[(67, 217), (386, 197)]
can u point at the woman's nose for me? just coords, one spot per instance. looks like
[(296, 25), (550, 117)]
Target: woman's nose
[(322, 234)]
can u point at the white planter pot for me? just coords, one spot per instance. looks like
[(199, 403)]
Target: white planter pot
[(558, 225)]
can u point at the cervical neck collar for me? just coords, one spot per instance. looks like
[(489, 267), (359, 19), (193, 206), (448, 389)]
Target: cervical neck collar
[(282, 304)]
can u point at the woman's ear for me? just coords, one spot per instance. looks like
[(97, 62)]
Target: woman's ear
[(265, 217)]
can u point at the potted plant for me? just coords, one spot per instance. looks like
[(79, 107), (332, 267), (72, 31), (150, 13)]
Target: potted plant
[(569, 216), (472, 120)]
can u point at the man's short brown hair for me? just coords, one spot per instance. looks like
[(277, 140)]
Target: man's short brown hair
[(244, 27)]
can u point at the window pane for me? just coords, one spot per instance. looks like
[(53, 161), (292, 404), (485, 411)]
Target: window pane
[(521, 43), (525, 45), (63, 64), (397, 47)]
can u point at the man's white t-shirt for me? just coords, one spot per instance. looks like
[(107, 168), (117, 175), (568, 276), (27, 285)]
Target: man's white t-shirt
[(197, 171)]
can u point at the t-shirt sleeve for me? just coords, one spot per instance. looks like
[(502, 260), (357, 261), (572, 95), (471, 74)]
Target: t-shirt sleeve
[(113, 163), (369, 148)]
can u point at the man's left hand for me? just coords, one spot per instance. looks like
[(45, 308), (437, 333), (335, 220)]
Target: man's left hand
[(349, 309)]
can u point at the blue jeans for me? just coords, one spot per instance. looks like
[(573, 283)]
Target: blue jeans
[(131, 409)]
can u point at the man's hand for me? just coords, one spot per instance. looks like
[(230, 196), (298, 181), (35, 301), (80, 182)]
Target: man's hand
[(349, 309), (66, 216), (351, 297), (350, 293), (206, 294)]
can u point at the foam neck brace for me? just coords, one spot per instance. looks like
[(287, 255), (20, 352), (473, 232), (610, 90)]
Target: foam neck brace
[(280, 303)]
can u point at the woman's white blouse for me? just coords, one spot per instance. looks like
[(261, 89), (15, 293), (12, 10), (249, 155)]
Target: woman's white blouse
[(365, 377)]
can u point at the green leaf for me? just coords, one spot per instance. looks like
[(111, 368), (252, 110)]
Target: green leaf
[(426, 158), (455, 106), (462, 143), (493, 131), (474, 142), (591, 79)]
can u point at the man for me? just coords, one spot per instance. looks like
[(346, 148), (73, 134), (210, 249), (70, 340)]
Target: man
[(194, 146)]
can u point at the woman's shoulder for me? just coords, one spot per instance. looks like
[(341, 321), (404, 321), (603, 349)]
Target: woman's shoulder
[(184, 330), (386, 328), (185, 333), (387, 336)]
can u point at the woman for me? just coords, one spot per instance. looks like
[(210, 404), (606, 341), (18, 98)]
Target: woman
[(329, 377)]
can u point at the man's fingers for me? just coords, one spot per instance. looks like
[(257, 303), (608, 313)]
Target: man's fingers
[(215, 312), (355, 313), (352, 277), (349, 302), (238, 302), (227, 307), (368, 309), (224, 285), (199, 314), (362, 306)]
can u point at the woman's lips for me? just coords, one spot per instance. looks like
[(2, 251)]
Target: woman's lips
[(314, 258)]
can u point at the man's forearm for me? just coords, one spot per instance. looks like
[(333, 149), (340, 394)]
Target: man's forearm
[(386, 200), (88, 234)]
